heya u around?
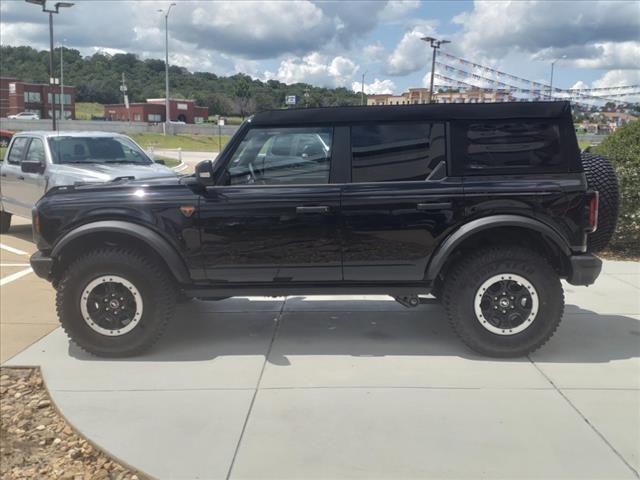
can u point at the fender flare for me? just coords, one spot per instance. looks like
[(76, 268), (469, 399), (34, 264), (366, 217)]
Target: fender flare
[(161, 246), (441, 254)]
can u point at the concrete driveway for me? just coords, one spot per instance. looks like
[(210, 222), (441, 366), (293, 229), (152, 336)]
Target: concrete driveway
[(360, 387)]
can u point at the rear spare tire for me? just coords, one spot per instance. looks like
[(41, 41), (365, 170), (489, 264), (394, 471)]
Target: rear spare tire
[(601, 176)]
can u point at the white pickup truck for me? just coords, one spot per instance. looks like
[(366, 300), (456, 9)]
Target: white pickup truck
[(38, 161)]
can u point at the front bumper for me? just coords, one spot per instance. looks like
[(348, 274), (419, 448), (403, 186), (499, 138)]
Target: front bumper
[(584, 269), (42, 265)]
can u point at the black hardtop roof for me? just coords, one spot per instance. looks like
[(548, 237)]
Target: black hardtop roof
[(398, 113)]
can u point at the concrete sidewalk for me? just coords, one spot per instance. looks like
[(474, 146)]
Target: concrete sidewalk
[(359, 387)]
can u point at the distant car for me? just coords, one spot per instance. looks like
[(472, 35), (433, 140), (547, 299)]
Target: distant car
[(25, 116), (5, 137), (35, 162)]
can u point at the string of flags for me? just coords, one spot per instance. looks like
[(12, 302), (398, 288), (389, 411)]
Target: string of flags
[(499, 74), (463, 86), (537, 87)]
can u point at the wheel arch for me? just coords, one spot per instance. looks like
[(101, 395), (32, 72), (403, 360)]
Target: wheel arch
[(524, 228), (80, 238)]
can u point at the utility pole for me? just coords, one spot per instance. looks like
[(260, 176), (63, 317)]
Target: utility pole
[(362, 89), (123, 89), (435, 44), (551, 79), (166, 67), (61, 86), (52, 79)]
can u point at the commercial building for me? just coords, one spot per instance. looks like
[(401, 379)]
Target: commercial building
[(153, 111), (40, 98), (416, 96)]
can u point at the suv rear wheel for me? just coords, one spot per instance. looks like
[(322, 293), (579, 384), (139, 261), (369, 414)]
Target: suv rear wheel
[(503, 302), (114, 302)]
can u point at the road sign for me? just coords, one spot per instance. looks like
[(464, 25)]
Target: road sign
[(291, 100)]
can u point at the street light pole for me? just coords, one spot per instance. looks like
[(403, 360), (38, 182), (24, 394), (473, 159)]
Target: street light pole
[(57, 6), (551, 79), (435, 44), (362, 89), (166, 67), (61, 85)]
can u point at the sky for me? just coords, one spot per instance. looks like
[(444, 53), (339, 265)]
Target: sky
[(333, 43)]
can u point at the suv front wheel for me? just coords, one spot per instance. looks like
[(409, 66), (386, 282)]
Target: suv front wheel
[(115, 302), (503, 301)]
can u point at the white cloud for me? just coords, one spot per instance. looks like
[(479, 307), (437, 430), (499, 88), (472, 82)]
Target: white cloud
[(316, 69), (579, 85), (398, 9), (374, 52), (376, 87), (411, 54), (618, 78), (594, 34)]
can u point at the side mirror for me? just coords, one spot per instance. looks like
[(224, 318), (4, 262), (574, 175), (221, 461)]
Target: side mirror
[(160, 161), (32, 167), (204, 172)]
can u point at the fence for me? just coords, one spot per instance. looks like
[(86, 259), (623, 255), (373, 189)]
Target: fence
[(117, 127)]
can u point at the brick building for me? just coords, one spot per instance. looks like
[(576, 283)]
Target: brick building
[(421, 95), (17, 96), (153, 111)]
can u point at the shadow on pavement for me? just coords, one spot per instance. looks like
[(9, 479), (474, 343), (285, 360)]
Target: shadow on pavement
[(200, 333), (23, 232)]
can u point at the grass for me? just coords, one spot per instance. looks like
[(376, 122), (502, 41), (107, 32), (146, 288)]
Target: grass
[(195, 143), (84, 110), (168, 161), (583, 144)]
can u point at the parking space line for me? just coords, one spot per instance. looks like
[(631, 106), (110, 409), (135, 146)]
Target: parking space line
[(14, 265), (12, 250), (15, 276)]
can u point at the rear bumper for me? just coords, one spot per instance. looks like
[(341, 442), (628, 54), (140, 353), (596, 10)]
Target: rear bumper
[(584, 269), (42, 265)]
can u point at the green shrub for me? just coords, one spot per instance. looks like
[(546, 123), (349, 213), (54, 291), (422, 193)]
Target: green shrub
[(623, 149)]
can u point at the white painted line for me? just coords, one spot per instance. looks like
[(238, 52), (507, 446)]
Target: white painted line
[(12, 250), (15, 276), (14, 265)]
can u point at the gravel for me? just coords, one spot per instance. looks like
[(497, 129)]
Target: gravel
[(36, 442)]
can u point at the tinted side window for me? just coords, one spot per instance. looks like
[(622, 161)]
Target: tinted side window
[(282, 156), (36, 151), (17, 150), (396, 152), (523, 145)]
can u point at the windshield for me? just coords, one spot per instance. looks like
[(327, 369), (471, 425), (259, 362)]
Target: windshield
[(96, 150)]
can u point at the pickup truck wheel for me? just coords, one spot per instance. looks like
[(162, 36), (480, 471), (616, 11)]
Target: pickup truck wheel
[(503, 302), (601, 176), (115, 303), (5, 221)]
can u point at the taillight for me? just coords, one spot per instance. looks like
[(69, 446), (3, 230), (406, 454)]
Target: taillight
[(593, 211)]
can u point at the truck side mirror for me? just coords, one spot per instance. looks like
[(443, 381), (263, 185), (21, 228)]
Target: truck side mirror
[(204, 172), (32, 167)]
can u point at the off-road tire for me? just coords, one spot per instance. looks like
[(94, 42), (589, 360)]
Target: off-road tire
[(150, 278), (5, 221), (601, 176), (467, 275)]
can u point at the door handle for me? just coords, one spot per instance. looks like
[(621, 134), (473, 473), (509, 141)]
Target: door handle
[(319, 209), (434, 206)]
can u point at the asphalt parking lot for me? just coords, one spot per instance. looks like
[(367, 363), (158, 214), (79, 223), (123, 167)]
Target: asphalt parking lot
[(345, 387)]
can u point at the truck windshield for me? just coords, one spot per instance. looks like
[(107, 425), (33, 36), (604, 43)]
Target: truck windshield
[(96, 150)]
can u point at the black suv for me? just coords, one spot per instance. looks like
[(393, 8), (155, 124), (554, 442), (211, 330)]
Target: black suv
[(486, 207)]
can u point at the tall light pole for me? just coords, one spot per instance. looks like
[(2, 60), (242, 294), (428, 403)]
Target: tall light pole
[(551, 80), (435, 44), (362, 89), (61, 83), (57, 7), (166, 67)]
